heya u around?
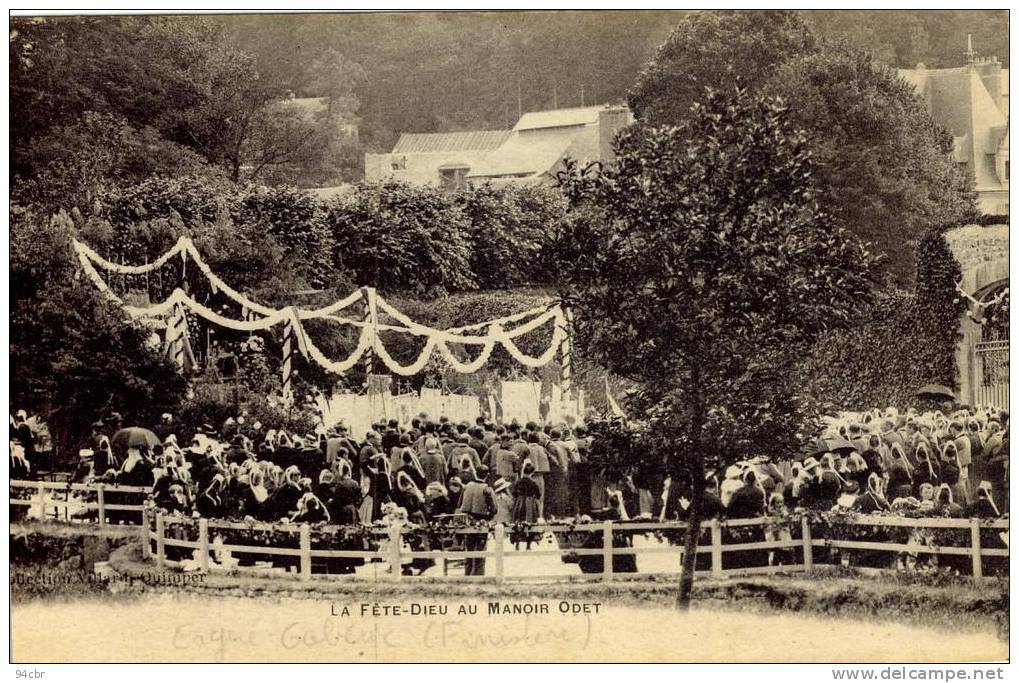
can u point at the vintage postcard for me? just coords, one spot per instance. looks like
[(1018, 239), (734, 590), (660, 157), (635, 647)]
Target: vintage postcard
[(523, 336)]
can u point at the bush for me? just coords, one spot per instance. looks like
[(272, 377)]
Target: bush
[(294, 219), (508, 228), (402, 239), (906, 341)]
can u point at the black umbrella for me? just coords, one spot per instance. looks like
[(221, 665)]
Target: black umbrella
[(935, 391), (132, 437), (819, 446)]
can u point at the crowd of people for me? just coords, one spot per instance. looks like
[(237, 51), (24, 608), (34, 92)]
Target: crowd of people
[(429, 469), (934, 463), (952, 464)]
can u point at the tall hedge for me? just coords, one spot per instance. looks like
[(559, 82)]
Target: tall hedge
[(396, 237), (907, 340)]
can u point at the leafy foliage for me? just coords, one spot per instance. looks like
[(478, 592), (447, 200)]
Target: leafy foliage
[(399, 238), (884, 164), (904, 342), (294, 220), (884, 167), (182, 81), (710, 268), (507, 228), (73, 354), (713, 49)]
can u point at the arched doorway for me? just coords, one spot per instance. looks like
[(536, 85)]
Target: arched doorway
[(990, 381), (983, 352)]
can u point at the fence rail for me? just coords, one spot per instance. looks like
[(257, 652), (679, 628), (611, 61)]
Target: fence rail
[(391, 549), (394, 554)]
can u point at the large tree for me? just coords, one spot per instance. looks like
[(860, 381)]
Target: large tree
[(74, 355), (702, 267), (885, 167), (884, 164)]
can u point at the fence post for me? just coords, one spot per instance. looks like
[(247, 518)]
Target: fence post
[(203, 544), (160, 544), (305, 552), (101, 499), (808, 544), (716, 549), (146, 541), (974, 548), (41, 492), (500, 541), (395, 539), (606, 546)]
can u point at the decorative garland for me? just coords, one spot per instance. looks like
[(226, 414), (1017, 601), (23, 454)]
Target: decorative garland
[(258, 317)]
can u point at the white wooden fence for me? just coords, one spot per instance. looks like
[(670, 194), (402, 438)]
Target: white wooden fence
[(392, 553), (53, 500)]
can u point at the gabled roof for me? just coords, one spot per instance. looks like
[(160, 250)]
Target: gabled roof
[(523, 155), (473, 140), (554, 118)]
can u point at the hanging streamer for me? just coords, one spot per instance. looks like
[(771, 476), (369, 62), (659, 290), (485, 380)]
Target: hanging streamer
[(367, 296), (288, 355), (255, 316), (180, 329)]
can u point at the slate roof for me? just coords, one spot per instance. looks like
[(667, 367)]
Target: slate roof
[(473, 140)]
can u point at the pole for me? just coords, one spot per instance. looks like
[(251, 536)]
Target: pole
[(203, 544), (500, 541), (808, 545), (160, 543), (178, 338), (974, 548), (41, 493), (146, 546), (395, 538), (288, 355), (716, 549), (368, 295), (567, 355), (305, 552), (606, 546), (101, 500)]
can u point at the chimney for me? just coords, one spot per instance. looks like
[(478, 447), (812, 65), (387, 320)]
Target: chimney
[(611, 120)]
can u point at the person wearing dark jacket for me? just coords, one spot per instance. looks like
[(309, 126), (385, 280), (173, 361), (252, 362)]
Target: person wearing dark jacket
[(477, 502), (310, 510), (437, 501), (983, 507), (391, 437), (210, 503), (283, 501), (873, 499), (346, 497), (526, 505), (747, 501)]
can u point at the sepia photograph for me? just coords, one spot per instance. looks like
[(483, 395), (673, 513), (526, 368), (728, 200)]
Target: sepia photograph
[(531, 336)]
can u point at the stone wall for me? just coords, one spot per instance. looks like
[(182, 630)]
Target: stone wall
[(982, 253)]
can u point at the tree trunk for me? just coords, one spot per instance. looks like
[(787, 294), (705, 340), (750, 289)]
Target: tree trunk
[(695, 470), (693, 533)]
